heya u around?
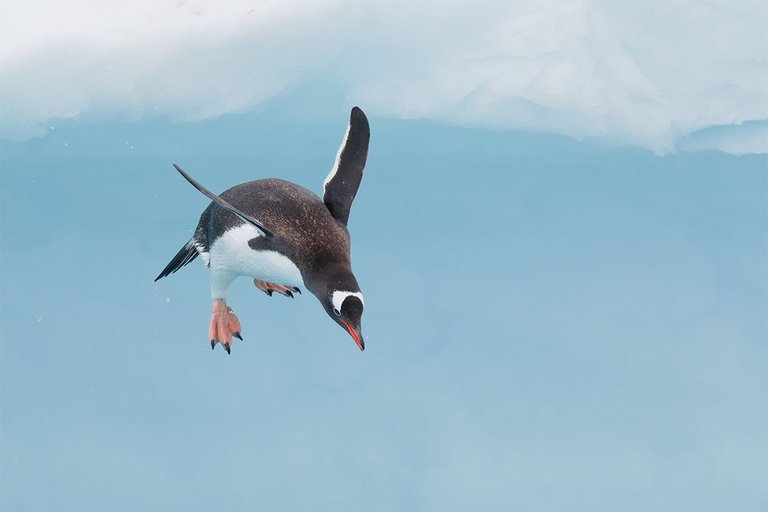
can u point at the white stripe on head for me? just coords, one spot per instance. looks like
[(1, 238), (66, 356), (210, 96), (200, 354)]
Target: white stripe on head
[(338, 298), (338, 158)]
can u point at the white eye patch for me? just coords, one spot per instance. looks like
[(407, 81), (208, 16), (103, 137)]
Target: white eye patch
[(338, 298)]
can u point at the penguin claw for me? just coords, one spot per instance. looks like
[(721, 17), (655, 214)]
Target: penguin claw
[(268, 292), (213, 344), (288, 293), (227, 348), (297, 290), (237, 335)]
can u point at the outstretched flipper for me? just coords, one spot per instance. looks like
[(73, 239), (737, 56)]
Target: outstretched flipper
[(340, 187), (216, 199)]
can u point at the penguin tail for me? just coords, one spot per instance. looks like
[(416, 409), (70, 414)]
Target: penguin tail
[(184, 256)]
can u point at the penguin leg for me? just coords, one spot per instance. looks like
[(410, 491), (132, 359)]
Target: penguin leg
[(224, 325), (268, 288)]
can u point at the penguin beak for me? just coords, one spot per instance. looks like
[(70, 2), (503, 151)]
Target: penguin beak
[(356, 335)]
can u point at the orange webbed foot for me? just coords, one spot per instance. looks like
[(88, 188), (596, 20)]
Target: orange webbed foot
[(224, 325), (269, 288)]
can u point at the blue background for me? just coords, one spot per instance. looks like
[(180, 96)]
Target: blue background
[(551, 324)]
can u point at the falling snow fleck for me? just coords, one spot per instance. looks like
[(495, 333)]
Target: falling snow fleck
[(167, 300)]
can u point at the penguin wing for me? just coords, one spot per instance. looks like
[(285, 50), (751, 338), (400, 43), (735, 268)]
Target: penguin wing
[(343, 181), (216, 199)]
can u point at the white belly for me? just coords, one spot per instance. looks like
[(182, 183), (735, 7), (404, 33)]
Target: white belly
[(231, 256)]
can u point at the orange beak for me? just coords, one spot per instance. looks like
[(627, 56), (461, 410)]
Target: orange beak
[(357, 336)]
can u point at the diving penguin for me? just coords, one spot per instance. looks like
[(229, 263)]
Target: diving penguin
[(284, 237)]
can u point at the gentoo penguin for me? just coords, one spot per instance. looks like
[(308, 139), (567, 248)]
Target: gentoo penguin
[(285, 238)]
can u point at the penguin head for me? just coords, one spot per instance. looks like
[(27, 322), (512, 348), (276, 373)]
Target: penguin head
[(344, 303)]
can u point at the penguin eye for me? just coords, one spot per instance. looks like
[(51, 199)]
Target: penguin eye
[(336, 312)]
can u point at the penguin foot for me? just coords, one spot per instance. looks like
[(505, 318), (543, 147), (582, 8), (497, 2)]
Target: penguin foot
[(224, 325), (268, 288)]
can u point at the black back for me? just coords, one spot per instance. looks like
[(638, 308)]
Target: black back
[(304, 229)]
